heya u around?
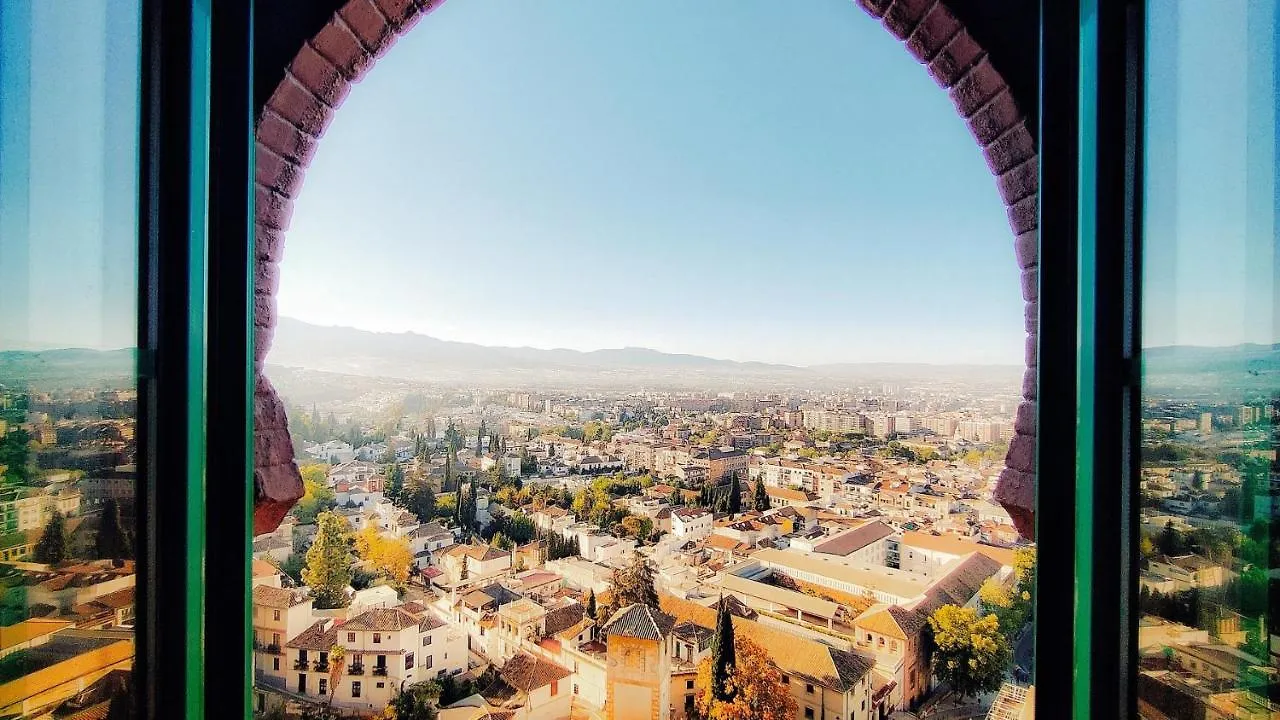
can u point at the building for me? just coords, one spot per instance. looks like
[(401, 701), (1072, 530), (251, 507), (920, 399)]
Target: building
[(690, 523), (278, 614), (639, 661)]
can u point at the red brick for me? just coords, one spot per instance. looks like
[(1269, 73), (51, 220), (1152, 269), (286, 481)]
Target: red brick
[(268, 243), (268, 420), (993, 119), (1030, 384), (932, 34), (1031, 350), (976, 87), (283, 176), (1023, 215), (955, 58), (1011, 148), (1026, 248), (262, 337), (903, 15), (1030, 284), (266, 278), (875, 8), (284, 139), (300, 107), (1022, 453), (339, 45), (370, 26), (1024, 422), (400, 12), (264, 310), (272, 210), (314, 72), (1016, 493), (1019, 182), (1031, 317)]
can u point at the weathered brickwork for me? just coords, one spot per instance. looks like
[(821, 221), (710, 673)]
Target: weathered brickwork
[(320, 76)]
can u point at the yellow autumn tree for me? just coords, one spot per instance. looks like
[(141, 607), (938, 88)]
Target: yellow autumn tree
[(386, 556), (755, 686)]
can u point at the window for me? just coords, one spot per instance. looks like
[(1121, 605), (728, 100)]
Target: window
[(426, 641), (355, 688), (377, 637), (688, 704), (323, 686), (351, 637), (275, 639), (275, 615), (808, 713), (275, 663), (382, 684), (880, 641), (408, 661), (575, 688), (808, 689), (786, 680), (688, 684), (428, 665)]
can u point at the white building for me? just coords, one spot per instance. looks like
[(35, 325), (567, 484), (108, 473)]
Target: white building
[(689, 523)]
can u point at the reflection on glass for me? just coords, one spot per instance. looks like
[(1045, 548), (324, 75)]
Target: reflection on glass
[(69, 102), (1210, 557)]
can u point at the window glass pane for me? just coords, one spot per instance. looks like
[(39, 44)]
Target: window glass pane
[(69, 127), (1209, 482)]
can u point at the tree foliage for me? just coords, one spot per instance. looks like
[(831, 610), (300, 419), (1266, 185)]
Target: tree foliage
[(386, 556), (328, 570), (317, 497), (761, 499), (51, 549), (113, 541), (755, 686), (970, 653), (723, 655), (633, 584)]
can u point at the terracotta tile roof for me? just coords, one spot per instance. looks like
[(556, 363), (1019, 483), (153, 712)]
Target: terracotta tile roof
[(315, 637), (639, 621), (956, 546), (563, 618), (381, 619), (527, 673), (961, 582), (856, 539), (794, 655), (274, 597), (262, 568), (94, 712), (891, 621)]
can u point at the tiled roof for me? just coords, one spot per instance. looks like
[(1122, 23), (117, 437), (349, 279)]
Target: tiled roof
[(639, 621), (93, 712), (262, 568), (856, 539), (383, 619), (527, 673), (563, 618), (794, 655), (274, 597), (961, 582), (891, 621), (956, 546), (315, 637)]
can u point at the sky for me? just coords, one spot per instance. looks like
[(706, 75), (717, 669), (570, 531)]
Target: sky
[(725, 179), (720, 178)]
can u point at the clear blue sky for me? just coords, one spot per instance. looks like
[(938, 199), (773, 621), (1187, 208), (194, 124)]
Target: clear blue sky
[(722, 178)]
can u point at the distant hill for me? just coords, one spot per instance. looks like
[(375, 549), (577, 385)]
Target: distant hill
[(68, 368), (421, 357)]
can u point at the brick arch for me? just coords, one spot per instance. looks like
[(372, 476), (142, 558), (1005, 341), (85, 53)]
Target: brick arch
[(322, 73)]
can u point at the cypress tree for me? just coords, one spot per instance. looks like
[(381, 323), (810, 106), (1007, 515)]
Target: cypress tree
[(591, 603), (735, 496), (723, 656), (762, 497), (480, 439), (112, 541), (52, 547)]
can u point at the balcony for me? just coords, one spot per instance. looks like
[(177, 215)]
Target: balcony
[(355, 670), (380, 670), (300, 664), (270, 649), (320, 666)]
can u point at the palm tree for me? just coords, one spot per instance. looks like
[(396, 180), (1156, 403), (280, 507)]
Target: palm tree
[(337, 658)]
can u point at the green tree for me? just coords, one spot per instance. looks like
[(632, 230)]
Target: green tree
[(51, 549), (1170, 541), (15, 455), (395, 483), (416, 702), (761, 500), (112, 542), (633, 584), (328, 569), (969, 652), (591, 603), (723, 658), (735, 495), (420, 500), (480, 439)]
